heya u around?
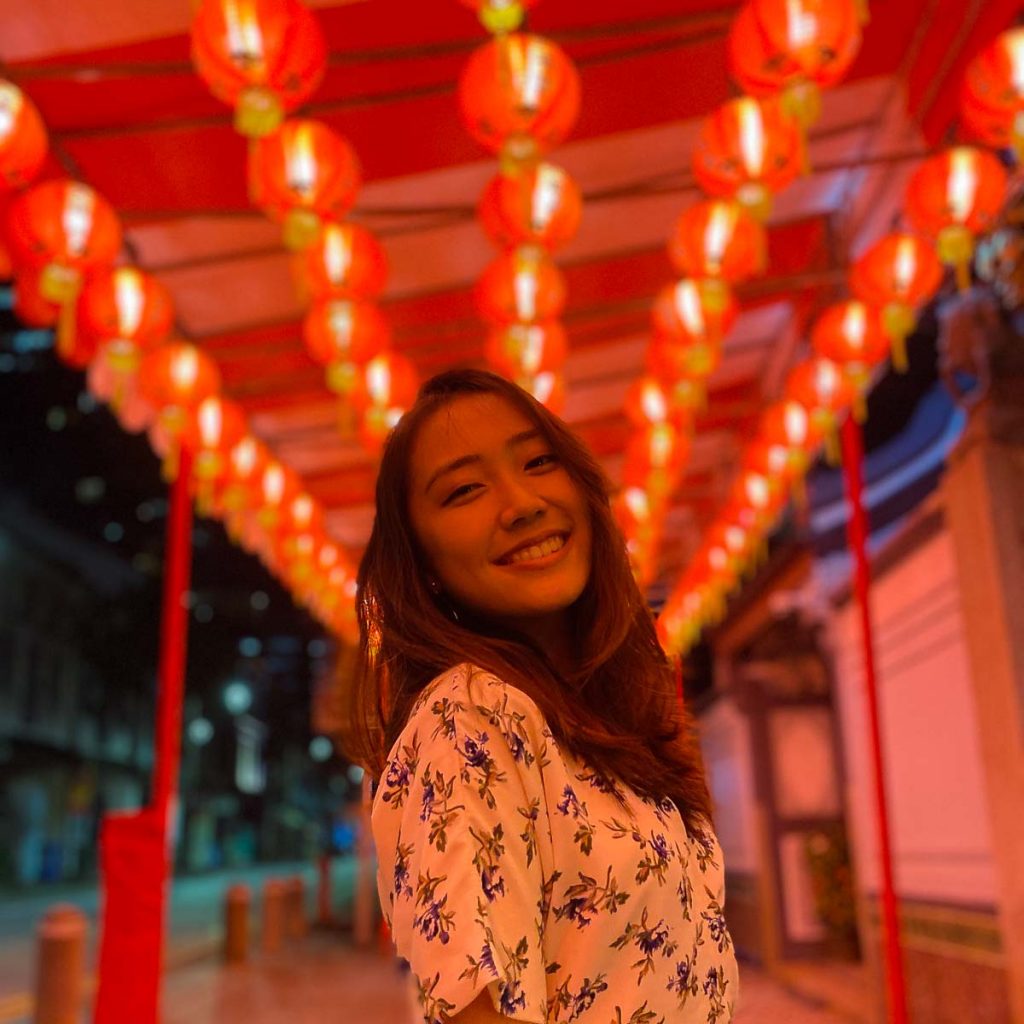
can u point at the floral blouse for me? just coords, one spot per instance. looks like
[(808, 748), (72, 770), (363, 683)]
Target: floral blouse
[(505, 862)]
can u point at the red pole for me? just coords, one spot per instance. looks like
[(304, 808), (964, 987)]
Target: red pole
[(173, 640), (136, 863), (857, 535)]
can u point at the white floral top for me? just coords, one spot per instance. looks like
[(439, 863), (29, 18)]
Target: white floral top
[(505, 862)]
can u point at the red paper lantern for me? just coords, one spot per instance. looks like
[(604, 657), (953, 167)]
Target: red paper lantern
[(794, 48), (524, 350), (523, 286), (695, 310), (823, 389), (650, 400), (278, 485), (954, 196), (243, 472), (787, 424), (851, 334), (342, 334), (345, 262), (531, 205), (747, 150), (174, 378), (65, 229), (386, 387), (548, 388), (683, 367), (22, 138), (718, 239), (301, 174), (500, 15), (655, 458), (898, 274), (211, 431), (519, 94), (262, 57), (753, 502), (992, 101), (132, 411), (125, 310)]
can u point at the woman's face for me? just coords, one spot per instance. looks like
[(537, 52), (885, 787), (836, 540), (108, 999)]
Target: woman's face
[(505, 530)]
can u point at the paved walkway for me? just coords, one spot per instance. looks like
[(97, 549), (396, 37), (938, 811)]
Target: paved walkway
[(323, 981)]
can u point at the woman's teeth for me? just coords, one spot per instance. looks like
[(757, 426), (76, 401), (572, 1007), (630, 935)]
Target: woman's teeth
[(547, 547)]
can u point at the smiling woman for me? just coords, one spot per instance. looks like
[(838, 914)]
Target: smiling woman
[(542, 822)]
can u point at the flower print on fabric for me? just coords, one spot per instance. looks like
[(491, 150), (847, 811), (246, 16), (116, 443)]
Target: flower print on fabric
[(571, 807), (508, 864)]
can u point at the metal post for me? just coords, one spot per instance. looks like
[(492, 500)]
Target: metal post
[(60, 966), (857, 535)]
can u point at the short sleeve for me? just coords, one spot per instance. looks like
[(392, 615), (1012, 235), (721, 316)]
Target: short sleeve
[(455, 821)]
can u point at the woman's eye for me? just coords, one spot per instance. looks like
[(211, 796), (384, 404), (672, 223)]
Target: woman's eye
[(540, 461), (459, 492)]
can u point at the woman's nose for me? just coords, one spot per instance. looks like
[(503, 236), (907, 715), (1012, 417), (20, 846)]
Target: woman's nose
[(521, 505)]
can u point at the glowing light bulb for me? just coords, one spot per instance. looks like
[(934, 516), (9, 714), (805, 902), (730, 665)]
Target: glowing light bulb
[(906, 264), (962, 184), (210, 418), (547, 193), (801, 24), (77, 216), (128, 300), (301, 160), (185, 369), (718, 233), (688, 307), (245, 38), (751, 136), (337, 252), (11, 102)]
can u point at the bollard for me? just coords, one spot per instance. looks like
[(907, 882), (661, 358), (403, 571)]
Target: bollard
[(295, 924), (60, 966), (323, 891), (274, 905), (236, 924)]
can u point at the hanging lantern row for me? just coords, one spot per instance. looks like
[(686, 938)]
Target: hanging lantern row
[(266, 57), (519, 98), (115, 323), (716, 244), (782, 53), (951, 199)]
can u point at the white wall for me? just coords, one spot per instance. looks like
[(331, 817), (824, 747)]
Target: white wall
[(938, 813), (725, 741)]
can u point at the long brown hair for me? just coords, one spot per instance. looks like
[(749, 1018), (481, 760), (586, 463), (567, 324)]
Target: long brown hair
[(618, 711)]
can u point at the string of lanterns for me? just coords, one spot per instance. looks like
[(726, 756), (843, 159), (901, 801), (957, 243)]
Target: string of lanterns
[(951, 199), (519, 98), (264, 58), (747, 150), (61, 240)]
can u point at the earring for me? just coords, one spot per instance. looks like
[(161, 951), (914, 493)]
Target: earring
[(435, 587)]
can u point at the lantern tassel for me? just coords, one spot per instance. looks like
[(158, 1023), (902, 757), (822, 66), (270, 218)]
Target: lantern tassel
[(860, 407), (171, 462), (66, 330), (963, 276), (899, 353), (832, 454)]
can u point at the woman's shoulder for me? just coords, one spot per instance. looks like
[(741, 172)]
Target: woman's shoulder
[(471, 689)]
